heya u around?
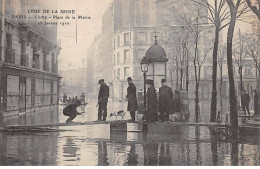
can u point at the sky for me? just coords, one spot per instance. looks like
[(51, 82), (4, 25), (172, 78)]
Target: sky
[(73, 54)]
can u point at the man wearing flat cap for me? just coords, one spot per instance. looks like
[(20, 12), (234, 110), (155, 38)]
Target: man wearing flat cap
[(165, 99), (102, 100), (131, 98)]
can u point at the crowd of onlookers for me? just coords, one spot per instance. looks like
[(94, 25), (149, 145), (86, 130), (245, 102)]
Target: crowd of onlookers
[(73, 99)]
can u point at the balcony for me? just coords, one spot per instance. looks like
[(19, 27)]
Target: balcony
[(54, 68), (46, 66), (10, 56), (36, 64), (24, 60), (36, 60)]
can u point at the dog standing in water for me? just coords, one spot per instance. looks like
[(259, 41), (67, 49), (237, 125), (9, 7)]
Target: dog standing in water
[(120, 113)]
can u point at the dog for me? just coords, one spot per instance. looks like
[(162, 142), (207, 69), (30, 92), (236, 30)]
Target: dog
[(117, 114)]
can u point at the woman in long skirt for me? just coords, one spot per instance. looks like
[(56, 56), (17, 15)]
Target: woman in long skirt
[(152, 103)]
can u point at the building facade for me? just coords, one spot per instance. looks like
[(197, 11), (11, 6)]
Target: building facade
[(28, 64), (136, 22)]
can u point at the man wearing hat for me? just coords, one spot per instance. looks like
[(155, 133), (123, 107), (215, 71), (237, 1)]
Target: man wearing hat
[(152, 103), (102, 100), (165, 99), (256, 98), (71, 111), (131, 98), (245, 100)]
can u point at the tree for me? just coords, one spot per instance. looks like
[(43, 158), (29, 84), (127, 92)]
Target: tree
[(253, 51), (178, 43), (196, 29), (218, 14), (234, 13), (240, 56), (254, 6), (221, 54)]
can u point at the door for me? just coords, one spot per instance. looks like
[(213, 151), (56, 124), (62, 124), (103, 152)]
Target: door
[(22, 95)]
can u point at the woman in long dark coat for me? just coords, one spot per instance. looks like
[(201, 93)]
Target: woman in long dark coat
[(131, 97), (152, 103)]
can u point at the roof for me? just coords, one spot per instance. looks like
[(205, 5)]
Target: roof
[(156, 53)]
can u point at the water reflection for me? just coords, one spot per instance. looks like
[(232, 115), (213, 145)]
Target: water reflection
[(132, 156), (193, 146), (102, 154)]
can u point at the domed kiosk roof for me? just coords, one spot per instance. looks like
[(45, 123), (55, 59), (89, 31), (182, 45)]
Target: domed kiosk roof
[(156, 53)]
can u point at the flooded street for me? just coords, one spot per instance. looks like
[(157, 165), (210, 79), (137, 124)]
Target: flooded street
[(93, 145)]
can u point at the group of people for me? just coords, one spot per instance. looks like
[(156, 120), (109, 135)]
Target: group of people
[(163, 105), (66, 99), (245, 100)]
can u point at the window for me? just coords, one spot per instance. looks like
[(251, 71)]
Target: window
[(114, 43), (114, 59), (208, 72), (118, 74), (138, 13), (126, 72), (140, 53), (141, 36), (118, 58), (126, 56), (118, 41), (126, 39), (114, 74), (9, 41)]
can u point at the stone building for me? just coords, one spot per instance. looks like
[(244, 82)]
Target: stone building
[(128, 29), (28, 63)]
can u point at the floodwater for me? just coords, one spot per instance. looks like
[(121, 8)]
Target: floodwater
[(91, 145)]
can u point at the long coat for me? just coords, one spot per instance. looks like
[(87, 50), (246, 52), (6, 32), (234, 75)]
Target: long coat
[(256, 102), (245, 99), (165, 99), (152, 104), (103, 96), (131, 96)]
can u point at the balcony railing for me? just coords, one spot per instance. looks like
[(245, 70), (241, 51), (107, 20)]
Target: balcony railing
[(10, 56), (25, 60), (36, 64), (46, 66)]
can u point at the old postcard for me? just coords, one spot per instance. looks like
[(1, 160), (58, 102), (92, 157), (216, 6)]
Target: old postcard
[(129, 82)]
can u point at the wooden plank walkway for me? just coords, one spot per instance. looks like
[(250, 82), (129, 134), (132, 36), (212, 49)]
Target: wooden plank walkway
[(50, 125), (109, 122)]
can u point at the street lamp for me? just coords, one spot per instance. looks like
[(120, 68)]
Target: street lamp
[(144, 68)]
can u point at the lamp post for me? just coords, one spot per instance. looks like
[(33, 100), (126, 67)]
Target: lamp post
[(144, 68)]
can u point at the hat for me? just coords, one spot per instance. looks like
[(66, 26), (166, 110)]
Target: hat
[(163, 80), (129, 79), (149, 81), (101, 81)]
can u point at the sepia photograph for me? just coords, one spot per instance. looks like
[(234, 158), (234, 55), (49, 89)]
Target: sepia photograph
[(129, 83)]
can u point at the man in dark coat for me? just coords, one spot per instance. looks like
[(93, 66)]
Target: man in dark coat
[(165, 100), (102, 100), (131, 98), (64, 98), (245, 100), (71, 111), (152, 103), (82, 98), (256, 98)]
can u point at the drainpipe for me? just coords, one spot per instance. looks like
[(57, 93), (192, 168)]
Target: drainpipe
[(2, 21)]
